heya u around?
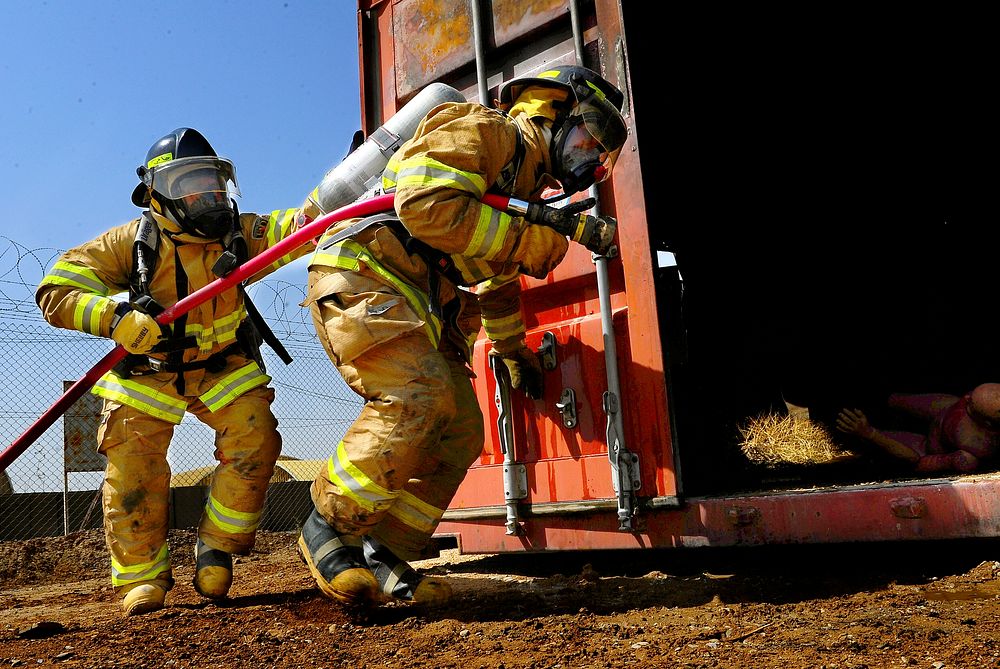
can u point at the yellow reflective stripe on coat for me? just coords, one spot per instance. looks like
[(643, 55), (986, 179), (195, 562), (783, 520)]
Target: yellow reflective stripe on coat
[(280, 224), (473, 270), (336, 255), (349, 255), (416, 513), (138, 396), (69, 274), (147, 571), (88, 312), (233, 385), (390, 174), (314, 199), (221, 331), (488, 237), (499, 280), (424, 171), (498, 329), (355, 484), (231, 520)]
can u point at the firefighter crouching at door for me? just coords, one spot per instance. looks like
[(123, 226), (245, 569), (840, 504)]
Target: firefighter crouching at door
[(206, 362), (401, 334)]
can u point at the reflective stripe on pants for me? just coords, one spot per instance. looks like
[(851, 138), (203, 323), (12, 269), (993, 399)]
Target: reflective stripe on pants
[(400, 463), (247, 444), (137, 479)]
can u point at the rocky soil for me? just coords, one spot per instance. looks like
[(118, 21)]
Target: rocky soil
[(929, 605)]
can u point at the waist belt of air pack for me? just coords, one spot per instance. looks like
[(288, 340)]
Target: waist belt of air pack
[(438, 262), (435, 260), (130, 364)]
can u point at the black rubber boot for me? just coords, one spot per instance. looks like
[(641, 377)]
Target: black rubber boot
[(336, 562), (397, 579), (213, 571)]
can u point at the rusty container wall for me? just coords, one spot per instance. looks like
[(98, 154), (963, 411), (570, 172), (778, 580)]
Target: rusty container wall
[(407, 44), (723, 83)]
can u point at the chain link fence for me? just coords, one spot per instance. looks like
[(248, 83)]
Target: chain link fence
[(54, 486)]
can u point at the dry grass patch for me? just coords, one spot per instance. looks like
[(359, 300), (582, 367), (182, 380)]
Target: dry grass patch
[(776, 439)]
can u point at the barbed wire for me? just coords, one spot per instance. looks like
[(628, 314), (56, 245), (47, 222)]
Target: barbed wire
[(22, 268), (313, 405)]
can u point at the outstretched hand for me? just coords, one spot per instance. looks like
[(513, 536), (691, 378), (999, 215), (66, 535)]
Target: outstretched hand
[(854, 421)]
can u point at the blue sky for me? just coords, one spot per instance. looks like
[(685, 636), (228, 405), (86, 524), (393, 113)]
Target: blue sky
[(89, 86)]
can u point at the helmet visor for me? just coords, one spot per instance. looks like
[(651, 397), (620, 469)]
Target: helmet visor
[(189, 177), (582, 151), (599, 138)]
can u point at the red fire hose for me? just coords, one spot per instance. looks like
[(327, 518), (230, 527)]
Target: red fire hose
[(244, 271), (249, 268)]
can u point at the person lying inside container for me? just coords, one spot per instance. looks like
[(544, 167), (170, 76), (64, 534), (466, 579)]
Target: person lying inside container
[(963, 432)]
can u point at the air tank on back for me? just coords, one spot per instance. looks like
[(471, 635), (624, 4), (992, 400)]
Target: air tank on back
[(361, 170)]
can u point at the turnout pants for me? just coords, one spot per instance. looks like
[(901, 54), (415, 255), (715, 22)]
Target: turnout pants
[(399, 464), (137, 482)]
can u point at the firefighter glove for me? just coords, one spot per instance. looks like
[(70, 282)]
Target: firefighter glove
[(525, 371), (135, 331), (538, 250)]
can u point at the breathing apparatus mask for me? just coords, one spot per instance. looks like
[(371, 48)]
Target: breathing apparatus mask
[(196, 193), (184, 180), (585, 147), (588, 130)]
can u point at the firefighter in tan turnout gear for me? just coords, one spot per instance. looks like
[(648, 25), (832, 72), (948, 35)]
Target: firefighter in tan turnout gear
[(389, 306), (206, 362)]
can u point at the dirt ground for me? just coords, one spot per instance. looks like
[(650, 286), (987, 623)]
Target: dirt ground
[(931, 605)]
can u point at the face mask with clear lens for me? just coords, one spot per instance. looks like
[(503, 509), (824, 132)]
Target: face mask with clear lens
[(581, 159), (201, 203), (590, 145), (191, 176), (580, 150), (605, 126), (199, 193)]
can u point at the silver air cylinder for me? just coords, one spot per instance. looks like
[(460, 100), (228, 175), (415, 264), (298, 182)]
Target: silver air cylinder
[(361, 171)]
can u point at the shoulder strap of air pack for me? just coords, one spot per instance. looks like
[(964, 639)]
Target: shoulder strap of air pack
[(508, 175), (435, 259), (236, 253), (144, 257), (263, 329)]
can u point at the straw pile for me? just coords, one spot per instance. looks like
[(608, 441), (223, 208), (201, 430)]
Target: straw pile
[(776, 439)]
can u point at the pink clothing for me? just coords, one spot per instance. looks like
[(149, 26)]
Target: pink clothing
[(954, 430)]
